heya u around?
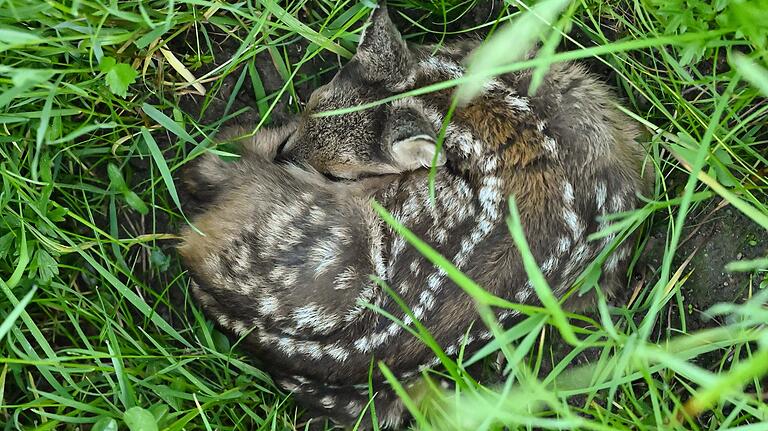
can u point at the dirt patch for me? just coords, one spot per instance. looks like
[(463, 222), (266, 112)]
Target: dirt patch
[(715, 235)]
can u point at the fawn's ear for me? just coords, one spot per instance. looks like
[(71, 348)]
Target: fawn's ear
[(382, 53), (416, 152), (411, 137)]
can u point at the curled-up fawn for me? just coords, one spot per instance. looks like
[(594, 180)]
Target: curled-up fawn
[(291, 244)]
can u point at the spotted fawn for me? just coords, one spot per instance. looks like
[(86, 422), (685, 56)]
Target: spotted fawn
[(291, 240)]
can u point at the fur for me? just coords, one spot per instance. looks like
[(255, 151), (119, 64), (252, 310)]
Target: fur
[(287, 254)]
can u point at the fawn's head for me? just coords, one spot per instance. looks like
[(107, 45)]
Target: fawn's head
[(387, 138)]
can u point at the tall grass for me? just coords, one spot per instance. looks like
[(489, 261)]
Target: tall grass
[(102, 102)]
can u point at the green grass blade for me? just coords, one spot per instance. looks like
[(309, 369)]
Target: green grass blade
[(162, 166), (11, 317), (538, 281)]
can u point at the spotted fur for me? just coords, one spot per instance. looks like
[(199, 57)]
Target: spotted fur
[(287, 254)]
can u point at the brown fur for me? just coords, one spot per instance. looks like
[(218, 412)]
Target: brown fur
[(287, 253)]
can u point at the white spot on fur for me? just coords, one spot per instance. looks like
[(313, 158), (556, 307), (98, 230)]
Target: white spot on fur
[(324, 255), (549, 265), (314, 316), (490, 195), (550, 145), (433, 281), (460, 137), (523, 294), (239, 328), (316, 215), (343, 280), (377, 250), (393, 416), (284, 344), (341, 233), (517, 103), (464, 190), (441, 236), (364, 297), (568, 195), (363, 344), (601, 194), (441, 67), (428, 299), (434, 117), (573, 222), (309, 348), (484, 227), (353, 408), (404, 287), (268, 304), (398, 245), (336, 352), (492, 85), (506, 314), (579, 256), (617, 202), (223, 320), (415, 267), (404, 83), (490, 165), (408, 102)]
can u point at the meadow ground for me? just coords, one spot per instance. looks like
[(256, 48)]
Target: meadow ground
[(103, 102)]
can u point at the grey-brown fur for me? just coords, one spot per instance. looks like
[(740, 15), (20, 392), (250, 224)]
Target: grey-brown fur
[(287, 253)]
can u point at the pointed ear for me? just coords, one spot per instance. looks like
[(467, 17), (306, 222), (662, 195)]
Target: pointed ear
[(382, 53), (416, 152)]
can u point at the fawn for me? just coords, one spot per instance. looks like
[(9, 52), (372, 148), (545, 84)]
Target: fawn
[(291, 239)]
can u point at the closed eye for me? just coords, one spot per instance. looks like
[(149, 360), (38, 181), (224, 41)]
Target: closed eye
[(281, 147), (334, 178)]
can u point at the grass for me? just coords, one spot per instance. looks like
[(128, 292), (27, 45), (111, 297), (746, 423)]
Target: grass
[(95, 121)]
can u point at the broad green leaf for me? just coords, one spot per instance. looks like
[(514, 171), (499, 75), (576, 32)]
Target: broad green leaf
[(106, 64), (105, 424), (159, 411), (159, 260), (119, 77), (116, 180), (134, 201), (139, 419)]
